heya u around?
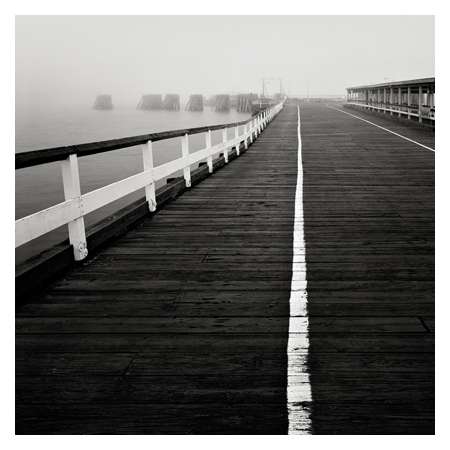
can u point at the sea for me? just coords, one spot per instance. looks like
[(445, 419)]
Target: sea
[(40, 187)]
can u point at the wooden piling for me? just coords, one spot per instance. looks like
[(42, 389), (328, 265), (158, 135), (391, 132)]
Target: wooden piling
[(195, 103), (150, 102), (172, 102), (222, 103), (103, 102), (244, 102)]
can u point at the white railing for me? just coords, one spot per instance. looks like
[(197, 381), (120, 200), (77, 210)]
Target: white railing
[(402, 110), (71, 212)]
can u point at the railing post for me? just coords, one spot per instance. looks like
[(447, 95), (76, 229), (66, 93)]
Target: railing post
[(150, 191), (391, 100), (409, 102), (225, 148), (209, 160), (236, 137), (251, 131), (419, 103), (246, 136), (186, 159), (71, 182)]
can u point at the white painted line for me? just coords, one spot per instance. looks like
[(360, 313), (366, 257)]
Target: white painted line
[(385, 129), (298, 384)]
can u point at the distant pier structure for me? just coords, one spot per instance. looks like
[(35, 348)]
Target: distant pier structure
[(103, 102), (244, 102), (411, 99), (223, 103), (171, 102), (195, 103), (150, 102)]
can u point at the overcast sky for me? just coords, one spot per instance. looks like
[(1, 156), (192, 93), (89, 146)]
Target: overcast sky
[(68, 59)]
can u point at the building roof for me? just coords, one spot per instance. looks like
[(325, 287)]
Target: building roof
[(415, 82)]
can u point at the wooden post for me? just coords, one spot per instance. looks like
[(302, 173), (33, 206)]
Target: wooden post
[(224, 140), (150, 192), (409, 102), (209, 159), (399, 101), (186, 159), (384, 100), (236, 136), (251, 123), (420, 104), (245, 136), (391, 100), (71, 182)]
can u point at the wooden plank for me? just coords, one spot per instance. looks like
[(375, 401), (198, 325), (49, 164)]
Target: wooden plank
[(361, 202), (182, 325)]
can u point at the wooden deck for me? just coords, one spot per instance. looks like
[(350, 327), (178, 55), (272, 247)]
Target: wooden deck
[(182, 325)]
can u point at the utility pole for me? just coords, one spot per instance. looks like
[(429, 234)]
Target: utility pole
[(280, 81)]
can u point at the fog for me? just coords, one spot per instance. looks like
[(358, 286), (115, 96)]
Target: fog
[(68, 60)]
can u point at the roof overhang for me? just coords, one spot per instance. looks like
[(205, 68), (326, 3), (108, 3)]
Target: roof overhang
[(416, 82)]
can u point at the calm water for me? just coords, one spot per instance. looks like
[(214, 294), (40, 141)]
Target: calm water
[(41, 186)]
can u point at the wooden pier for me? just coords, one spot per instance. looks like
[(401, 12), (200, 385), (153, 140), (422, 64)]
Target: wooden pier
[(183, 324), (411, 99)]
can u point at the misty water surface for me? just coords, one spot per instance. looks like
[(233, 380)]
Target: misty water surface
[(41, 186)]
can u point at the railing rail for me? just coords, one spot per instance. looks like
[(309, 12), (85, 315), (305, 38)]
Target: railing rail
[(419, 111), (71, 212)]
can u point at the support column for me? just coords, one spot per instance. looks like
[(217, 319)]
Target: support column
[(391, 100), (420, 104), (409, 102)]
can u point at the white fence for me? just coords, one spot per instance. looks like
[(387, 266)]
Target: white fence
[(423, 112), (71, 212)]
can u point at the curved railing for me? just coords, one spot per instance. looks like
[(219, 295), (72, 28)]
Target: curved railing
[(71, 212)]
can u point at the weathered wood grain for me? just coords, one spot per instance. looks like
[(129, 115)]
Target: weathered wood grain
[(369, 201), (181, 326)]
